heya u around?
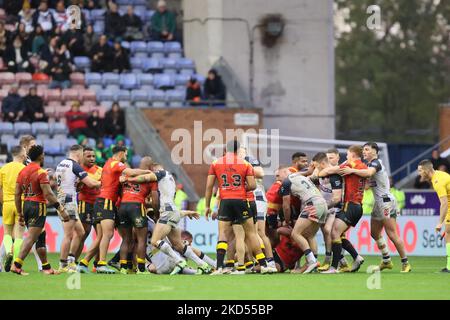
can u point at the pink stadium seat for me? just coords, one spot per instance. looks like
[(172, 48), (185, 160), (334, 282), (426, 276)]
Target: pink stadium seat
[(54, 103), (50, 111), (3, 93), (7, 78), (85, 108), (23, 91), (102, 110), (23, 77), (2, 13), (90, 103), (69, 94), (88, 95), (78, 87), (6, 87), (60, 111), (10, 27), (53, 94), (2, 64), (77, 78)]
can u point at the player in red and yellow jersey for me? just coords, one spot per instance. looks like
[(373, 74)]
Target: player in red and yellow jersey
[(287, 253), (105, 204), (235, 178), (34, 185)]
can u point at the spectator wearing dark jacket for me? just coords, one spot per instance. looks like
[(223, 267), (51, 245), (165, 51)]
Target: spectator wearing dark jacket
[(115, 118), (214, 88), (44, 18), (39, 41), (33, 107), (121, 61), (4, 38), (90, 38), (12, 7), (114, 27), (47, 52), (95, 123), (193, 92), (133, 25), (77, 121), (73, 38), (439, 162), (59, 70), (16, 57), (12, 106), (101, 56), (163, 23), (24, 37)]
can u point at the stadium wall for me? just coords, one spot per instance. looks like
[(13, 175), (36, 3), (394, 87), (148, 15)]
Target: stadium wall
[(192, 123), (294, 80), (444, 125)]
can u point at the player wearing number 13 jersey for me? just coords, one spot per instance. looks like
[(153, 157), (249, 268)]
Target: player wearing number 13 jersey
[(235, 177)]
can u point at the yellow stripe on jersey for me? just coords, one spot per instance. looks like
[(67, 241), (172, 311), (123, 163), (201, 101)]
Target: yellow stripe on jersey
[(113, 163)]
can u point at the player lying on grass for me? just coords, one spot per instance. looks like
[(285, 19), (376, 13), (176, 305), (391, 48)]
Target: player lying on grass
[(170, 216)]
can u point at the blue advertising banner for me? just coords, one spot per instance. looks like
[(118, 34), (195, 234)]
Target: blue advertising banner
[(421, 203)]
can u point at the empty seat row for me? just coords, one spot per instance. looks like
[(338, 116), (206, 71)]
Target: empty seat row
[(80, 93), (19, 128)]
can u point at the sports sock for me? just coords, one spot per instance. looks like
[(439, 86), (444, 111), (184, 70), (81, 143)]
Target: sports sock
[(249, 264), (130, 264), (447, 246), (18, 263), (123, 264), (167, 249), (116, 257), (208, 260), (8, 243), (84, 263), (381, 244), (141, 264), (404, 260), (62, 263), (101, 263), (328, 257), (189, 253), (71, 258), (17, 246), (336, 247), (95, 263), (221, 249), (229, 263), (46, 266), (261, 259), (347, 245), (310, 258), (240, 268)]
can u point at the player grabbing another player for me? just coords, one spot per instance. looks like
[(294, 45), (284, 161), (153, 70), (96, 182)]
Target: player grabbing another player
[(287, 253), (11, 227), (33, 183), (441, 184), (385, 211), (68, 174)]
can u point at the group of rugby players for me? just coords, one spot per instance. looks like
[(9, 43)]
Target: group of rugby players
[(258, 231), (270, 232)]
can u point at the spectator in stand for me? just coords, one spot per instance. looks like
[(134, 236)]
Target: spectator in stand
[(115, 118), (119, 141), (82, 140), (24, 37), (59, 70), (96, 124), (50, 50), (90, 38), (214, 88), (77, 121), (92, 4), (133, 25), (193, 92), (121, 61), (39, 41), (114, 27), (44, 17), (12, 7), (16, 57), (12, 106), (101, 56), (163, 23), (33, 107), (4, 38), (60, 16), (100, 153), (438, 161), (419, 184), (73, 38), (26, 17)]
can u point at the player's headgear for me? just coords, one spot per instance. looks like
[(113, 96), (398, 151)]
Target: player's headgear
[(35, 152), (373, 145)]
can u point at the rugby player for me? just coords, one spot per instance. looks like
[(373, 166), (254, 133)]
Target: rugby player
[(87, 196), (441, 184), (68, 173), (235, 177), (33, 183), (331, 189), (351, 213), (313, 214), (286, 253), (11, 227), (170, 216), (105, 206), (132, 217), (384, 213)]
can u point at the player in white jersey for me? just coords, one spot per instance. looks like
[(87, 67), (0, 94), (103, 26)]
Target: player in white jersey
[(68, 174), (313, 214), (385, 210), (331, 189), (170, 216)]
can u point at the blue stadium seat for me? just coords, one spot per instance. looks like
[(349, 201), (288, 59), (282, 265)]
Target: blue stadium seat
[(52, 147), (67, 143), (163, 81), (181, 79), (136, 160), (152, 65), (124, 103), (175, 98), (96, 87), (93, 78), (125, 44), (123, 2), (172, 46), (22, 128), (169, 64), (140, 11), (40, 127), (87, 15), (60, 136), (49, 162), (99, 26), (185, 63), (113, 87), (6, 137), (136, 63), (6, 128), (139, 2), (155, 46), (107, 142), (147, 87), (123, 95), (98, 14), (57, 160), (42, 136), (12, 143), (200, 78), (142, 55), (110, 78), (139, 95), (145, 79), (158, 98), (128, 81), (149, 14), (138, 46), (59, 128), (82, 63), (106, 95)]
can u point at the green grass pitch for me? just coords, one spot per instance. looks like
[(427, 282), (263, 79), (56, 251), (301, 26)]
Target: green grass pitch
[(424, 282)]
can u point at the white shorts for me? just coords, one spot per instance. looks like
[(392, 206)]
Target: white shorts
[(382, 210), (72, 210), (261, 209), (171, 218)]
